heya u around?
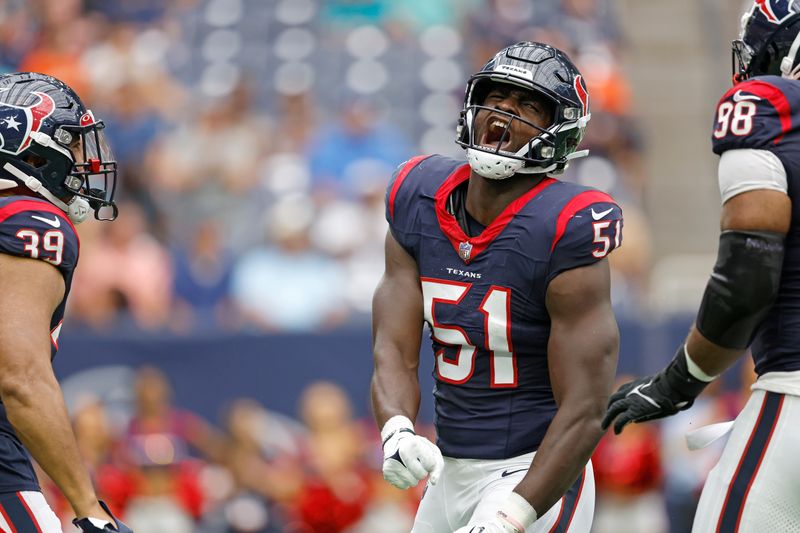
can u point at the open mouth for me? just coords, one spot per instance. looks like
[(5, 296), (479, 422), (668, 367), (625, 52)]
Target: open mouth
[(497, 135)]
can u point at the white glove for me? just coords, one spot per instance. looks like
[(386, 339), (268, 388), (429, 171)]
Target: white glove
[(407, 457), (514, 516)]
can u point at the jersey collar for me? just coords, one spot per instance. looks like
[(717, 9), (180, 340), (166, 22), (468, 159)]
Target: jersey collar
[(467, 247)]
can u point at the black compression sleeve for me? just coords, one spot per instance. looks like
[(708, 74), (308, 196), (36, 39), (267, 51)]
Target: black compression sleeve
[(742, 287)]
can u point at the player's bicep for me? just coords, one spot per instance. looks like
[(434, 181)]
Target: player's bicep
[(397, 312), (584, 338), (30, 291), (758, 210), (754, 190)]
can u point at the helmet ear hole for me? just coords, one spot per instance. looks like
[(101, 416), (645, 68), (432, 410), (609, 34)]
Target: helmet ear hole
[(36, 161)]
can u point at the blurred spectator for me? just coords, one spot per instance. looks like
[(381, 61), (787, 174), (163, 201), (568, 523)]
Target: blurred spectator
[(102, 451), (17, 34), (589, 22), (123, 268), (63, 36), (356, 139), (138, 122), (166, 482), (261, 456), (289, 286), (218, 145), (337, 492), (354, 12), (178, 431), (202, 277), (627, 471), (139, 11)]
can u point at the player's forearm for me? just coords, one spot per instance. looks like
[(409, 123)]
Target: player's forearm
[(582, 354), (39, 416), (711, 358), (395, 390), (563, 454)]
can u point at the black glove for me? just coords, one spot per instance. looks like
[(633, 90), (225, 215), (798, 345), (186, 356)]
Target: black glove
[(671, 390), (87, 527)]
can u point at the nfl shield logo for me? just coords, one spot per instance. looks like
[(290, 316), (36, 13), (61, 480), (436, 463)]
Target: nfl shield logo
[(464, 250)]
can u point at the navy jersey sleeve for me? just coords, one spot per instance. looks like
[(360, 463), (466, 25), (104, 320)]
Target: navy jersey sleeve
[(753, 114), (36, 229), (401, 205), (587, 230)]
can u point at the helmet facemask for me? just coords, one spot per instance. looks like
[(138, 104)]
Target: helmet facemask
[(94, 172)]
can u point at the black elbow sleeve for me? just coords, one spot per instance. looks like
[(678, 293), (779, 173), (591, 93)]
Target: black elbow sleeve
[(742, 287)]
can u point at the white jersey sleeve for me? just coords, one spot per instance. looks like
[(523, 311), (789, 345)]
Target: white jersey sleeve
[(747, 169)]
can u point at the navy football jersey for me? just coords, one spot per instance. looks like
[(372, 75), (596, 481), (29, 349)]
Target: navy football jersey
[(763, 113), (484, 298), (33, 228)]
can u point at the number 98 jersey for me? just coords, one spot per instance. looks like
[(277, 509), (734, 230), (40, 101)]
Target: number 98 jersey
[(484, 298), (36, 229)]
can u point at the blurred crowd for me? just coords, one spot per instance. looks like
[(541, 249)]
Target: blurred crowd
[(166, 470), (255, 140)]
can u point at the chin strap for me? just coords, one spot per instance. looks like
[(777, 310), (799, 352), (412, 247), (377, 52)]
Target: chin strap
[(77, 209), (553, 169)]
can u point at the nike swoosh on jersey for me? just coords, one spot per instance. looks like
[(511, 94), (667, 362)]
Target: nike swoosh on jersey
[(739, 97), (56, 222), (601, 214), (507, 473)]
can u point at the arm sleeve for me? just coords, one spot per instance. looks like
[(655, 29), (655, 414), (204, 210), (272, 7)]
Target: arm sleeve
[(746, 169), (754, 114), (40, 234), (590, 235), (400, 204)]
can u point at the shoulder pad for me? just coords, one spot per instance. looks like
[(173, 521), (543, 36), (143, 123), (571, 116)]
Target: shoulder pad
[(33, 228), (588, 228), (756, 113)]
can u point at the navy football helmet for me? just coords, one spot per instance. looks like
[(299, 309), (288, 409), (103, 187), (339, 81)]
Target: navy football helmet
[(544, 70), (53, 145), (768, 43)]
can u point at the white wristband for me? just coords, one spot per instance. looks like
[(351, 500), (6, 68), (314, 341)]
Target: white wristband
[(99, 522), (518, 512), (395, 424), (695, 370)]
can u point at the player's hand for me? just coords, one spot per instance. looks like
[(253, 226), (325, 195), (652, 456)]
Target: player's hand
[(407, 457), (91, 525), (663, 394)]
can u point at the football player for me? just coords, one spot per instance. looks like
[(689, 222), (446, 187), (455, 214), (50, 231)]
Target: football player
[(508, 268), (753, 296), (55, 170)]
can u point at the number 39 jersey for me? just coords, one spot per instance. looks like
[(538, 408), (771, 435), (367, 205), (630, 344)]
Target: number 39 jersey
[(36, 229), (484, 298), (763, 113)]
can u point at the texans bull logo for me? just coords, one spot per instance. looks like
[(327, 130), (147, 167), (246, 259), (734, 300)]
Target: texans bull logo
[(777, 11), (17, 123)]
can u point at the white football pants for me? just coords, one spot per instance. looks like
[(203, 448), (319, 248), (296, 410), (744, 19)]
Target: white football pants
[(471, 490), (755, 486)]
